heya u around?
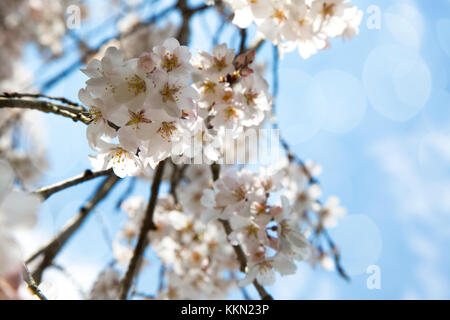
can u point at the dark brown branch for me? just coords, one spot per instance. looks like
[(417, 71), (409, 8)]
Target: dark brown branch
[(147, 226), (87, 175), (54, 246)]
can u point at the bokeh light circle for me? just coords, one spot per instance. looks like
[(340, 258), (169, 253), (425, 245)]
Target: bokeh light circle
[(397, 81), (339, 98)]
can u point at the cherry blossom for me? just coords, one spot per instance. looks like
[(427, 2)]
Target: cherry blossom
[(17, 212), (303, 24)]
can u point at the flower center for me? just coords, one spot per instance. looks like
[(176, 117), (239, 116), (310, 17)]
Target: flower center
[(279, 15), (252, 230), (169, 92), (120, 155), (250, 97), (136, 85), (239, 193), (167, 130), (208, 86), (170, 62), (302, 22), (230, 112), (227, 96), (327, 10), (220, 64), (136, 118), (95, 114)]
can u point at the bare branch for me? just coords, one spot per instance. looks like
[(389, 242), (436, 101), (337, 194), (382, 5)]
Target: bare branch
[(28, 278), (91, 52), (67, 111), (147, 226), (87, 175), (54, 246), (40, 95)]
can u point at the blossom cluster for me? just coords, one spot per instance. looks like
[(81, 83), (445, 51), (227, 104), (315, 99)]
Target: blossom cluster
[(269, 213), (17, 212), (242, 199), (196, 255), (38, 21), (165, 104), (28, 160), (274, 216), (303, 24)]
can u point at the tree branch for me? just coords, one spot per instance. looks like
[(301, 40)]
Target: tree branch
[(147, 226), (87, 175), (71, 112), (40, 95), (90, 52), (28, 278), (54, 246)]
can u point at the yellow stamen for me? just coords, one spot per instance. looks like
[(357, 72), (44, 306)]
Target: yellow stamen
[(95, 114), (279, 15), (167, 130), (136, 85), (169, 92), (170, 62), (327, 10), (208, 86)]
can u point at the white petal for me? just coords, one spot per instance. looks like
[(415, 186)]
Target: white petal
[(6, 178), (243, 17), (18, 209)]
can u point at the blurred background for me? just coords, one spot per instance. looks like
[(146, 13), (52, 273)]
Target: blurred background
[(373, 111)]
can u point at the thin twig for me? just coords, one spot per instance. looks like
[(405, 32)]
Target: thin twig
[(28, 278), (87, 175), (147, 226), (54, 246)]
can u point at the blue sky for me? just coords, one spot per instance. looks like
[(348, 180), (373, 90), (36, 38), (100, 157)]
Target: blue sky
[(373, 111)]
